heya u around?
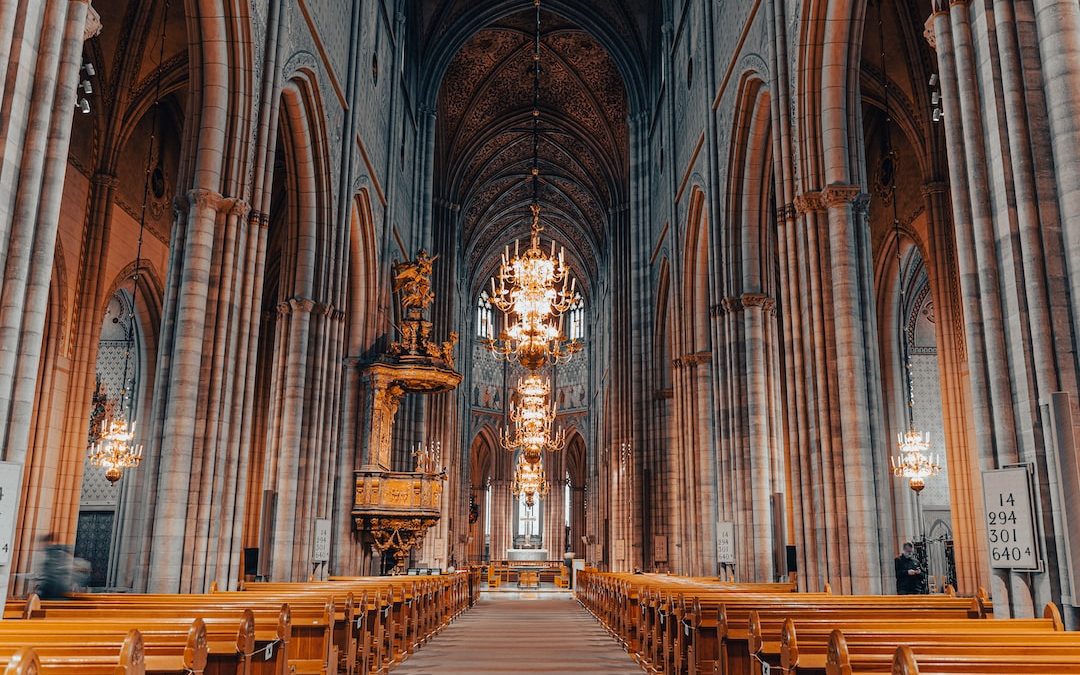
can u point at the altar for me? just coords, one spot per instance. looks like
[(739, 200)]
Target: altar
[(529, 554)]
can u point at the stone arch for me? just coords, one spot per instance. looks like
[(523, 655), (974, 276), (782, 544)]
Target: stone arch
[(748, 256), (576, 461), (827, 87), (363, 286)]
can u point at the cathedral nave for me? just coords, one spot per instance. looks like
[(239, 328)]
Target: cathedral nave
[(682, 336)]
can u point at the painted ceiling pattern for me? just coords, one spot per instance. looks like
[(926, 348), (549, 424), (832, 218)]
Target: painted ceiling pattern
[(484, 143)]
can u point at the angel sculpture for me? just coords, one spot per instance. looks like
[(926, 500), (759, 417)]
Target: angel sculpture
[(412, 281)]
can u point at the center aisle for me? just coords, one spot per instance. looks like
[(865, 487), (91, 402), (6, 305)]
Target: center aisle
[(521, 633)]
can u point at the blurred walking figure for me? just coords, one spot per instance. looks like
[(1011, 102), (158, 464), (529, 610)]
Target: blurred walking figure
[(59, 571)]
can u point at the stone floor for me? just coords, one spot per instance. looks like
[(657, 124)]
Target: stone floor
[(522, 632)]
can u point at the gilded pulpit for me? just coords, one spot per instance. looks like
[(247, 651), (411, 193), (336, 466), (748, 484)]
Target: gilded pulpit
[(396, 508)]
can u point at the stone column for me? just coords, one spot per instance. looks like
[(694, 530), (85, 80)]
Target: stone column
[(177, 440), (1058, 25)]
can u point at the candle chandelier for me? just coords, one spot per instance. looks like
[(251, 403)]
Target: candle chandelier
[(534, 288), (529, 481), (115, 449), (534, 420)]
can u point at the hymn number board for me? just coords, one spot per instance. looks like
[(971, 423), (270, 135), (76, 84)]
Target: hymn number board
[(10, 480), (1010, 519)]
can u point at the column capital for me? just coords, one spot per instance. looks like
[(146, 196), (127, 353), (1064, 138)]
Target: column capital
[(236, 207), (808, 201), (105, 180), (259, 219), (205, 199), (92, 27), (936, 187), (296, 304), (840, 194), (766, 303)]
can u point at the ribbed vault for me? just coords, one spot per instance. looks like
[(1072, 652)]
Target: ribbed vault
[(484, 143)]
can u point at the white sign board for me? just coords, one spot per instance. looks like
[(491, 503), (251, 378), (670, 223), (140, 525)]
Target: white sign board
[(1009, 517), (660, 548), (620, 549), (10, 485), (320, 543), (725, 542)]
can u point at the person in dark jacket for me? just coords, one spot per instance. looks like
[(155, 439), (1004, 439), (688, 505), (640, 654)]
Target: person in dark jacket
[(55, 577), (909, 576)]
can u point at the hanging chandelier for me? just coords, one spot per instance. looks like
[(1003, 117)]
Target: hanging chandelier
[(534, 288), (533, 417), (914, 461), (529, 481), (115, 449)]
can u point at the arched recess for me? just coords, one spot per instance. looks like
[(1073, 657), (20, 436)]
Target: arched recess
[(750, 461), (362, 326), (482, 466), (301, 345), (129, 511), (577, 480), (694, 477), (895, 88)]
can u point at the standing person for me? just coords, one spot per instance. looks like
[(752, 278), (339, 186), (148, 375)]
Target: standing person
[(55, 573), (909, 576)]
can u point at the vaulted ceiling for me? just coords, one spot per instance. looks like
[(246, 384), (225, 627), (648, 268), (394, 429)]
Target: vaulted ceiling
[(484, 144)]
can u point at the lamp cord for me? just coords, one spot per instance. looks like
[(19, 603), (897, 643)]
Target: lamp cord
[(127, 396), (890, 156)]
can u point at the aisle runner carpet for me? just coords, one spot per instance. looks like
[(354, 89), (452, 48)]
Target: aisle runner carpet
[(527, 633)]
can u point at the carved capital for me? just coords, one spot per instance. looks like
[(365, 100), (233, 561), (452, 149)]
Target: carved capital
[(92, 27), (295, 305), (180, 207), (239, 208), (936, 187), (204, 199), (861, 204), (694, 359), (105, 180), (839, 194), (928, 31), (786, 213), (259, 219), (761, 300), (809, 201), (731, 304)]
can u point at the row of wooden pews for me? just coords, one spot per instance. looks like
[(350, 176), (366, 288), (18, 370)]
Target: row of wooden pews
[(347, 625), (676, 625)]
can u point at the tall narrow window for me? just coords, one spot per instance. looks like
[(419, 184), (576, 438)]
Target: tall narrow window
[(485, 317), (577, 320)]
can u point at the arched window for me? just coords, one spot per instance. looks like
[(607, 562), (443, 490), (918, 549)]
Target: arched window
[(485, 317), (577, 320)]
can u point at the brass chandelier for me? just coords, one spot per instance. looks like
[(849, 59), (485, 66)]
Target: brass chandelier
[(115, 449), (529, 481), (534, 288), (534, 420)]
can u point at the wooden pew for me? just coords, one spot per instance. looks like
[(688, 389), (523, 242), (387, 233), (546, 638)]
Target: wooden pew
[(124, 657), (169, 647), (1054, 652), (687, 625), (804, 643), (262, 636)]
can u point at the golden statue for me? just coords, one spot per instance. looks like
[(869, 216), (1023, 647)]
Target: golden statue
[(412, 282)]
